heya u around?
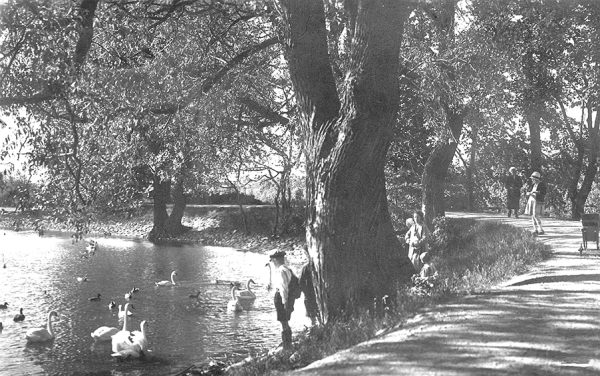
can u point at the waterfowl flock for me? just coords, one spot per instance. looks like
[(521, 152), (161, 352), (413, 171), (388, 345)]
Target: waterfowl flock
[(127, 343)]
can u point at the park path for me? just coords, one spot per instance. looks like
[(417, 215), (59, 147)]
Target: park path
[(545, 322)]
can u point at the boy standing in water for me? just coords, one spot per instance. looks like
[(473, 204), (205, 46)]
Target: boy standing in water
[(279, 278)]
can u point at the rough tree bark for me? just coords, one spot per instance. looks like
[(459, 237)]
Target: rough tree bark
[(173, 225), (161, 192), (580, 197), (436, 167), (472, 167), (575, 164), (349, 233), (533, 107)]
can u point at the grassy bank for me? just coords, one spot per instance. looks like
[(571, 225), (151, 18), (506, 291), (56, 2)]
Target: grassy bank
[(470, 257)]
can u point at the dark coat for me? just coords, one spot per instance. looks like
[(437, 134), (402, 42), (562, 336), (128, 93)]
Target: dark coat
[(513, 186), (541, 192)]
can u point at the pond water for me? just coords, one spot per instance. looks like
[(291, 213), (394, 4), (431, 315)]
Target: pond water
[(41, 275)]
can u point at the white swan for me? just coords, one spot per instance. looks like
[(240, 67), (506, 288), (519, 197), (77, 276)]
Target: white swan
[(167, 283), (104, 333), (42, 334), (246, 297), (122, 311), (112, 305), (129, 344), (121, 336), (247, 294), (140, 336), (234, 305), (82, 279)]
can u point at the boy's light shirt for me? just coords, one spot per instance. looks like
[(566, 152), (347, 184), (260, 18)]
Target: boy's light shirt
[(282, 275)]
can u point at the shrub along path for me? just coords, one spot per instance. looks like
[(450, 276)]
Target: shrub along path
[(545, 322)]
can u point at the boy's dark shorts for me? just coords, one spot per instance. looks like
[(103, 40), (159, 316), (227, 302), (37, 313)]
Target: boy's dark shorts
[(282, 313)]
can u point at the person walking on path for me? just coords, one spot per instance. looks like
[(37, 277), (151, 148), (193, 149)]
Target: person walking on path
[(416, 238), (513, 184), (535, 201), (280, 278)]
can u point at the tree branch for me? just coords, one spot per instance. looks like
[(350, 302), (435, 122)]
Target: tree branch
[(264, 111), (212, 81), (42, 96), (87, 10)]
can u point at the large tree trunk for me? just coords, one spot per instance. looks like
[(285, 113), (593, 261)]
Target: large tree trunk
[(533, 116), (533, 107), (162, 190), (174, 226), (350, 237), (436, 169), (584, 190), (472, 167), (576, 205), (579, 199)]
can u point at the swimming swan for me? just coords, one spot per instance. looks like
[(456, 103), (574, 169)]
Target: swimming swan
[(4, 306), (19, 316), (247, 295), (42, 334), (234, 305), (129, 344), (123, 334), (140, 336), (104, 333), (122, 311), (167, 283)]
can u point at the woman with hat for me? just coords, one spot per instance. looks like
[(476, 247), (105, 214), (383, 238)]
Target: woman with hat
[(536, 202)]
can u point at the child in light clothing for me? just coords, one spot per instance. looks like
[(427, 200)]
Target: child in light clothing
[(428, 270), (279, 278)]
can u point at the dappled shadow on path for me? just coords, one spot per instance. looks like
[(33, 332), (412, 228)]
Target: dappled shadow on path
[(559, 278), (546, 322), (517, 332)]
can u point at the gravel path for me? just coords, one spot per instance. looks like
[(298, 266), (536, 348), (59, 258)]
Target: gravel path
[(546, 322)]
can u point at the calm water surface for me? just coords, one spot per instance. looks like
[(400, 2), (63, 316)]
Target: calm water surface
[(41, 275)]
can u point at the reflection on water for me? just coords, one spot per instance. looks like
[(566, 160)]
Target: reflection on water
[(41, 274)]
